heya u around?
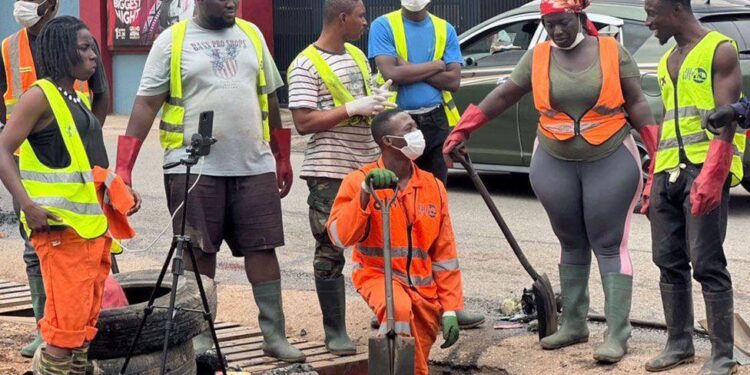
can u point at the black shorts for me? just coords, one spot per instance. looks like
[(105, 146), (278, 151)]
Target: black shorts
[(243, 211)]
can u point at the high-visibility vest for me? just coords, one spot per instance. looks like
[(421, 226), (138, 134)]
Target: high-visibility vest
[(396, 21), (172, 127), (339, 92), (20, 71), (69, 193), (687, 105), (599, 123)]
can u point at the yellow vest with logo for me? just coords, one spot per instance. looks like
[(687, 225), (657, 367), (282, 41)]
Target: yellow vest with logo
[(69, 193), (396, 21), (687, 105), (172, 127), (338, 91)]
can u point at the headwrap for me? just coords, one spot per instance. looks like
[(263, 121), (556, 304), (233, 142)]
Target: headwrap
[(568, 6)]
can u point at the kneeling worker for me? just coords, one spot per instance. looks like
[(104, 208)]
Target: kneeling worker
[(427, 280)]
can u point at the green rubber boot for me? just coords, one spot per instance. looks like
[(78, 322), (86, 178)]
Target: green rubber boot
[(574, 282), (618, 293), (271, 321), (332, 298), (38, 299), (467, 320)]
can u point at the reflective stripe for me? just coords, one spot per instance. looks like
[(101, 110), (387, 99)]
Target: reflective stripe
[(607, 111), (333, 230), (446, 265), (416, 280), (396, 252), (691, 111), (15, 64), (175, 101), (62, 177), (172, 128), (562, 128), (108, 181), (399, 328), (451, 104), (686, 140), (79, 208)]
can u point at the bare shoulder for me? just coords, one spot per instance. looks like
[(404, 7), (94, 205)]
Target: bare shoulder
[(725, 58)]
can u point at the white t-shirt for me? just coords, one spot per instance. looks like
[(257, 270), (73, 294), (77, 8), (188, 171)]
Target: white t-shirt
[(336, 152), (219, 73)]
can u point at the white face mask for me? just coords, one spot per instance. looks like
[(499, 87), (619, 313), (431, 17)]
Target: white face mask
[(579, 38), (415, 5), (415, 144), (27, 13)]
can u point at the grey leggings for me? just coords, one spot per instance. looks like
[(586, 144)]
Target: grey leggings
[(590, 204)]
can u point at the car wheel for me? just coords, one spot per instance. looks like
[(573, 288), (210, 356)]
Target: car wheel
[(117, 327)]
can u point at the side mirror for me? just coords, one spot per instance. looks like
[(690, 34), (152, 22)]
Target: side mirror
[(650, 84), (469, 61)]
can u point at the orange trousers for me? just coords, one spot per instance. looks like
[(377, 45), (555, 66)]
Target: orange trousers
[(414, 316), (74, 271)]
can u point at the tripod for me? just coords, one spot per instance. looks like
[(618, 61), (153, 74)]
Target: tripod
[(180, 245)]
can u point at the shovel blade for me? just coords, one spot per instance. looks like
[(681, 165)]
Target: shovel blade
[(391, 356), (546, 306)]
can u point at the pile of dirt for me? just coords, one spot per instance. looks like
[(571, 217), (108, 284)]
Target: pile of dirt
[(14, 336)]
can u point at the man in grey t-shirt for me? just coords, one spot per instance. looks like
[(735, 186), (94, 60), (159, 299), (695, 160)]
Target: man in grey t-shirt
[(224, 67)]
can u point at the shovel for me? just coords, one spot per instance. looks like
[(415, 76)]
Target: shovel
[(392, 354), (544, 295)]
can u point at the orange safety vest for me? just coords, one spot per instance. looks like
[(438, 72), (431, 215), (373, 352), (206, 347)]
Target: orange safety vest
[(20, 71), (115, 200), (423, 247), (602, 121)]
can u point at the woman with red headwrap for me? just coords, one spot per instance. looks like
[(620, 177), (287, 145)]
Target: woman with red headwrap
[(585, 168)]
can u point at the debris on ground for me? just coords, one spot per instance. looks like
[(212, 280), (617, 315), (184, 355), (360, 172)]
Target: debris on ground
[(296, 369), (508, 326), (510, 306)]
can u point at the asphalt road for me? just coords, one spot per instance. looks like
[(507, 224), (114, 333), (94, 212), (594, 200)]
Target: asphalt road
[(490, 271)]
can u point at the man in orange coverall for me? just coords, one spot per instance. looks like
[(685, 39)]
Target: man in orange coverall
[(427, 280)]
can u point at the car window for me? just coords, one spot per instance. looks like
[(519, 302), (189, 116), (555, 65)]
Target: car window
[(501, 45), (735, 27), (635, 35)]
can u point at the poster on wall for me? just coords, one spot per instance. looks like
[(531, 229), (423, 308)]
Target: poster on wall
[(137, 23)]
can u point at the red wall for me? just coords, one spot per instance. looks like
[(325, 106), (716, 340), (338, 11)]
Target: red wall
[(259, 12)]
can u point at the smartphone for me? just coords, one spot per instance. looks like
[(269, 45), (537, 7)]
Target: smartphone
[(205, 129)]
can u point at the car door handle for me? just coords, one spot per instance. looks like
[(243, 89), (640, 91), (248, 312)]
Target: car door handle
[(502, 80)]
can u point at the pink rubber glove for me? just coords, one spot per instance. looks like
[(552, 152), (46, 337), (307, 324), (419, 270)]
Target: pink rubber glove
[(128, 148), (705, 194), (281, 146), (472, 119)]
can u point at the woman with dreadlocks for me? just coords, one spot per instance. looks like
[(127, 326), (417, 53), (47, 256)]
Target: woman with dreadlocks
[(60, 142), (586, 168)]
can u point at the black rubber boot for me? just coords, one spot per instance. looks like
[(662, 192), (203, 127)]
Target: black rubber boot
[(574, 282), (332, 298), (720, 313), (271, 321), (677, 301)]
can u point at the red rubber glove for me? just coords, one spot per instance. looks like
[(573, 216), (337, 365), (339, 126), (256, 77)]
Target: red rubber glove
[(128, 148), (646, 195), (472, 119), (650, 138), (281, 146), (705, 194)]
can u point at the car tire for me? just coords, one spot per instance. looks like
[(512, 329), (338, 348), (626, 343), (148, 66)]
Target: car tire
[(180, 360), (117, 327)]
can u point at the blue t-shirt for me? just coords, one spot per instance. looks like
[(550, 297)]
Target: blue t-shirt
[(420, 40)]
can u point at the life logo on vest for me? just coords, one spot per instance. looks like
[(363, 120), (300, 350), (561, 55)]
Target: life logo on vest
[(697, 75)]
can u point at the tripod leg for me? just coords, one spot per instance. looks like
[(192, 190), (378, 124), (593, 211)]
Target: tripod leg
[(206, 309), (149, 307), (177, 270)]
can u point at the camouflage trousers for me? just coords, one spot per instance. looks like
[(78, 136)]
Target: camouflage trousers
[(329, 259)]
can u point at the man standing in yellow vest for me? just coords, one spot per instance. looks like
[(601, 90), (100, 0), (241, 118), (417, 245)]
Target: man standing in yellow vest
[(688, 197), (18, 71), (330, 97), (217, 62), (420, 53)]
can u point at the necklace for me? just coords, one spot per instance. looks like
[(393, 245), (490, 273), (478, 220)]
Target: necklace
[(72, 97)]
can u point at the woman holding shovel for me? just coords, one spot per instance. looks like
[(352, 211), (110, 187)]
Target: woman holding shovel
[(585, 169)]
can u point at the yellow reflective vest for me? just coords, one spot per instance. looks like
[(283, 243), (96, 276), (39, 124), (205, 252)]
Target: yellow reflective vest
[(687, 104), (172, 127), (396, 21), (69, 193), (339, 92)]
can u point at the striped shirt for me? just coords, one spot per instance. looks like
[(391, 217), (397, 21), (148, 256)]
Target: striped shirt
[(336, 152)]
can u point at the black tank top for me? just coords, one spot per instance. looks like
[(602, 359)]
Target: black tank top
[(49, 147)]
